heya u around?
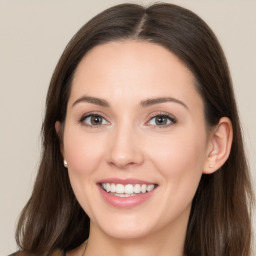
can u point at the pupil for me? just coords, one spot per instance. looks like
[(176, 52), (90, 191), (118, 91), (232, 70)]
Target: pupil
[(161, 120), (96, 120)]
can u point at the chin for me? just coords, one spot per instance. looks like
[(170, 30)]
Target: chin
[(123, 226), (127, 233)]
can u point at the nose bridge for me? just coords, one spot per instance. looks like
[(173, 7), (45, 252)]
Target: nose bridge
[(124, 147)]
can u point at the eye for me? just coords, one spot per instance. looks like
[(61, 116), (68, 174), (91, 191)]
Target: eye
[(93, 120), (161, 120)]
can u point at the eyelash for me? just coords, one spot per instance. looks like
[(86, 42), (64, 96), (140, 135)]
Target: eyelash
[(172, 120), (83, 118)]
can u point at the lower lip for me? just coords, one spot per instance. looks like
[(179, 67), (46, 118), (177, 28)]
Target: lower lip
[(125, 202)]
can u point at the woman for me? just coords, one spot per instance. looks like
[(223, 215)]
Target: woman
[(142, 149)]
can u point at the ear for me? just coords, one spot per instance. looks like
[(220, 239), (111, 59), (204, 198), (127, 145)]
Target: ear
[(219, 146), (59, 131)]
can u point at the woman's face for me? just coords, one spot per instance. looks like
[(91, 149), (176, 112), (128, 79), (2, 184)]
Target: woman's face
[(135, 139)]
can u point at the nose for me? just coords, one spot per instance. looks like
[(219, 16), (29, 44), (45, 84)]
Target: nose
[(125, 148)]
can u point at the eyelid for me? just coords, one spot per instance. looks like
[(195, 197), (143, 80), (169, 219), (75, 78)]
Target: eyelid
[(96, 113), (161, 113), (152, 115)]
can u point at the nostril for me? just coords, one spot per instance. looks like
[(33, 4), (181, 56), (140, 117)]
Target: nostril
[(122, 164)]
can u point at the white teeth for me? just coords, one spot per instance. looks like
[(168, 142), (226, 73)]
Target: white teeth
[(150, 187), (113, 188), (128, 189), (143, 188), (137, 189), (119, 188), (108, 187), (123, 195)]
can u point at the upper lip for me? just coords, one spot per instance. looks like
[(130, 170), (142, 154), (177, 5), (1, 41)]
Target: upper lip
[(125, 181)]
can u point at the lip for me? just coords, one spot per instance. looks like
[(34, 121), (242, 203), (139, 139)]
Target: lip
[(125, 202)]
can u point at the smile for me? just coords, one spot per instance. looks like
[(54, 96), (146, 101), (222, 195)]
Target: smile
[(126, 193), (127, 190)]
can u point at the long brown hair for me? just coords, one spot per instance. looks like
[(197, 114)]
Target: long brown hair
[(220, 222)]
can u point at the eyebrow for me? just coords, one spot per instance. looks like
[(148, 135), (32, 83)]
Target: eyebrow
[(144, 103), (153, 101), (92, 100)]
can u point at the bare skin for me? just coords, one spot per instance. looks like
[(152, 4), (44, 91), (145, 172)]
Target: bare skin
[(134, 113)]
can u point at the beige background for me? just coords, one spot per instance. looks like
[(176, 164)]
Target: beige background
[(32, 36)]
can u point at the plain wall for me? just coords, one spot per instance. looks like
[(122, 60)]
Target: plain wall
[(33, 34)]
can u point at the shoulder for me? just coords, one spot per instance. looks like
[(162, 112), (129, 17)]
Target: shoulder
[(54, 253)]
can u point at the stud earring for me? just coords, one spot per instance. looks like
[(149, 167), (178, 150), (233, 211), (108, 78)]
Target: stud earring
[(65, 163), (211, 165)]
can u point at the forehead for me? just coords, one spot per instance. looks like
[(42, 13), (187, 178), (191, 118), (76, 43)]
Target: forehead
[(132, 68)]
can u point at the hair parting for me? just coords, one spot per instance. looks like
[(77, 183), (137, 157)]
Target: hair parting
[(220, 222)]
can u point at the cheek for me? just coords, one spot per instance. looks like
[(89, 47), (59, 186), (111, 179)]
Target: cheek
[(180, 160), (180, 164), (82, 152)]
